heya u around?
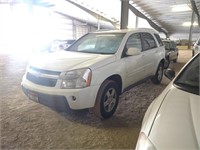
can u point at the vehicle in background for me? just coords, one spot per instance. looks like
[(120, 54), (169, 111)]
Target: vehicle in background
[(58, 45), (172, 120), (95, 70), (196, 47), (171, 52)]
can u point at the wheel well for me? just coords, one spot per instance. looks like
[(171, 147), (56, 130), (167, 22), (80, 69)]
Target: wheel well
[(162, 61), (117, 79)]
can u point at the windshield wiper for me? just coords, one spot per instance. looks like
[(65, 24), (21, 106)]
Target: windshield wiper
[(92, 52), (104, 53), (79, 51)]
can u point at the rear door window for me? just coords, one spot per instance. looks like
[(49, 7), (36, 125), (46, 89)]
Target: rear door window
[(159, 39), (148, 42), (134, 41)]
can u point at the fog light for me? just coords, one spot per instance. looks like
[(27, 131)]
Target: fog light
[(73, 98)]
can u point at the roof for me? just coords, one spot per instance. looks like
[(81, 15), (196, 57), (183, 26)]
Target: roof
[(127, 30)]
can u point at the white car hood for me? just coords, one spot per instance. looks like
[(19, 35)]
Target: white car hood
[(64, 60), (177, 124)]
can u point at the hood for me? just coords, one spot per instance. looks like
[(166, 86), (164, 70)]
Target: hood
[(177, 124), (64, 60)]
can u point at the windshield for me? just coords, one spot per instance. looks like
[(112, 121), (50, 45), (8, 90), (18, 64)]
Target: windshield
[(98, 43), (188, 80)]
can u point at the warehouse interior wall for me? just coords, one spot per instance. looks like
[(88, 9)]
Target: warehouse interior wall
[(27, 29)]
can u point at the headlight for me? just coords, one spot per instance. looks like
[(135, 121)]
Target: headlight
[(76, 78), (144, 143)]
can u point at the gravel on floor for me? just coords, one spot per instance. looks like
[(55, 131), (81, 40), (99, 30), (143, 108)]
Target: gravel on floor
[(28, 125)]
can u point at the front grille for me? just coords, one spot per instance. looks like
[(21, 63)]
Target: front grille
[(45, 71), (41, 80)]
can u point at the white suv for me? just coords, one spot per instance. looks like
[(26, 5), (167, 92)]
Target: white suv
[(196, 47), (95, 70)]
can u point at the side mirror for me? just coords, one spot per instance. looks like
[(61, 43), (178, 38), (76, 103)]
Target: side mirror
[(133, 51), (170, 74)]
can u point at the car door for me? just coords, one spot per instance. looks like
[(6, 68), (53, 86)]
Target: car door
[(150, 52), (134, 64)]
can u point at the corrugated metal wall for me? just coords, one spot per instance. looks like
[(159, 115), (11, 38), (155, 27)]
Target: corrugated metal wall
[(68, 28)]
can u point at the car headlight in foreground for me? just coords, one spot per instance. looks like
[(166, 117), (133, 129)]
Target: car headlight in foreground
[(144, 143), (74, 79)]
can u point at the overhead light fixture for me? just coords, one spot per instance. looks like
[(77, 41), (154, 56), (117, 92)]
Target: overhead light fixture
[(180, 8), (187, 24)]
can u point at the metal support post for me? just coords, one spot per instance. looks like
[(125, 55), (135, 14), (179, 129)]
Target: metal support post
[(190, 34), (124, 14)]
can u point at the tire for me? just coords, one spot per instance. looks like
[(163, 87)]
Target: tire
[(166, 64), (107, 99), (157, 78)]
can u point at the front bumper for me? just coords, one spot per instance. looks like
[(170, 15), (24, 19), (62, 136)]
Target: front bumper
[(56, 102), (62, 98)]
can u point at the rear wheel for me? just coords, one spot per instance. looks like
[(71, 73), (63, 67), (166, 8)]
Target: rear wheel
[(159, 74), (107, 99)]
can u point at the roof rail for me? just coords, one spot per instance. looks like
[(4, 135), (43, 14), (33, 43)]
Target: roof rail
[(103, 30)]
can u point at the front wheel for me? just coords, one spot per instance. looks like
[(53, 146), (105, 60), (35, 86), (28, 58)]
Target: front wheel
[(159, 74), (107, 99)]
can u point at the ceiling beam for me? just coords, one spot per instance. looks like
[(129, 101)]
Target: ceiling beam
[(94, 14), (141, 15)]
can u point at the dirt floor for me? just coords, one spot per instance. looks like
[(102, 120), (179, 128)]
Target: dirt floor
[(28, 125)]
